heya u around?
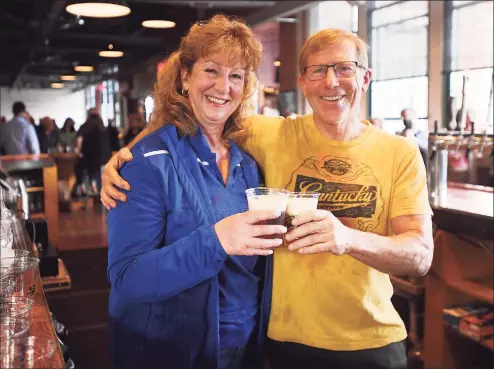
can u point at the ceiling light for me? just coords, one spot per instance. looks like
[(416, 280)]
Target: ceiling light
[(111, 53), (57, 85), (68, 78), (276, 63), (99, 9), (286, 20), (158, 24), (83, 68)]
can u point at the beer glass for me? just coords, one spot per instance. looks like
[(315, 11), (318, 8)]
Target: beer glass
[(265, 198), (28, 352), (6, 286), (21, 270), (16, 307), (14, 253), (13, 328), (300, 202)]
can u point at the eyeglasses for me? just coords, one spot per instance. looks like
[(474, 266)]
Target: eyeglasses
[(342, 70)]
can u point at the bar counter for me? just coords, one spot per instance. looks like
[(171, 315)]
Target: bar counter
[(40, 176), (41, 322), (468, 209), (461, 272), (13, 163)]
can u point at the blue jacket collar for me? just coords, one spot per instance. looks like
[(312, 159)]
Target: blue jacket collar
[(200, 145), (188, 170)]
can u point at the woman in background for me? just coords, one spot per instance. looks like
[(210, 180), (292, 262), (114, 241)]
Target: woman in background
[(68, 135), (93, 144), (48, 135)]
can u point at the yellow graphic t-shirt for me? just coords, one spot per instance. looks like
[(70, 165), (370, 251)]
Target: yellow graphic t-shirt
[(322, 300)]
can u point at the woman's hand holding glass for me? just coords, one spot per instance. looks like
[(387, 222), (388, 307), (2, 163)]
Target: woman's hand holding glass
[(243, 234)]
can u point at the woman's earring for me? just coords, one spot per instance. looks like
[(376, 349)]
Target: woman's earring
[(184, 93)]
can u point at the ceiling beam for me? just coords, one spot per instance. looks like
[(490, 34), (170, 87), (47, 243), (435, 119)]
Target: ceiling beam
[(63, 50), (281, 9), (109, 38), (7, 15), (46, 27), (209, 4), (90, 51)]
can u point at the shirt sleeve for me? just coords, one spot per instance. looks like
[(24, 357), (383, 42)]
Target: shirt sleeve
[(258, 131), (141, 268), (410, 191)]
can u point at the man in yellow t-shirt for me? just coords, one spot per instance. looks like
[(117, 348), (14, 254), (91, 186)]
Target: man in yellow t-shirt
[(331, 304), (322, 299)]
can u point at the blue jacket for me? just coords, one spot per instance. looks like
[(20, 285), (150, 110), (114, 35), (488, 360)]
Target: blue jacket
[(163, 261)]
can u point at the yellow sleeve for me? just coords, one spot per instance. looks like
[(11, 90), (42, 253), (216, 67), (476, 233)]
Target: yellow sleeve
[(410, 191), (257, 133)]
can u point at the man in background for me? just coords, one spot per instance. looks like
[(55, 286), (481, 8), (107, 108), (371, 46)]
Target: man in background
[(18, 136), (411, 130)]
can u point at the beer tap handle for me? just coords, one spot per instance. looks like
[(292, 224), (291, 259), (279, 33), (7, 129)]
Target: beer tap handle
[(460, 138), (436, 127), (482, 144), (433, 152), (470, 141)]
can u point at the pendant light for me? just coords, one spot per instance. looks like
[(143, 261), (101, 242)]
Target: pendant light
[(100, 9), (110, 53), (158, 24)]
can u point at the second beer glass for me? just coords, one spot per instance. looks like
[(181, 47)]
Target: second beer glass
[(300, 202)]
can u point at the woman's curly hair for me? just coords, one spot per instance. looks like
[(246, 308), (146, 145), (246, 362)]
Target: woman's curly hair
[(220, 35)]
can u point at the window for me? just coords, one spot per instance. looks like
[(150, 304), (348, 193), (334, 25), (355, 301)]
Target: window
[(469, 21), (379, 4), (116, 88), (399, 60), (104, 102), (321, 16), (107, 107), (90, 97), (149, 105)]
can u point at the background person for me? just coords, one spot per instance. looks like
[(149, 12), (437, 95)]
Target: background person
[(18, 136)]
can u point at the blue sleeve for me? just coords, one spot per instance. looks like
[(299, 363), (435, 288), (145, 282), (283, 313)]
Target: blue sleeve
[(139, 268), (32, 142)]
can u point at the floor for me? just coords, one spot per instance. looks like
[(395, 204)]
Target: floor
[(83, 309)]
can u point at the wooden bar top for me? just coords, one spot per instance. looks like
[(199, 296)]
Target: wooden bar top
[(11, 163), (470, 199), (468, 209), (41, 321)]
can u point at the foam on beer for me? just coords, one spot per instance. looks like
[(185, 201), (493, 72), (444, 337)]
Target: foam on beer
[(268, 202), (298, 205)]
